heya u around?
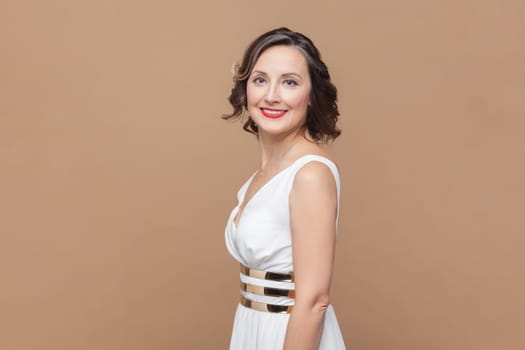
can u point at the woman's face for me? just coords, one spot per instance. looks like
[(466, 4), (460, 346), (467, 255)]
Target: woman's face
[(278, 91)]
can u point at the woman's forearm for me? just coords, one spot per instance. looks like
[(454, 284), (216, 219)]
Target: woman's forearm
[(305, 327)]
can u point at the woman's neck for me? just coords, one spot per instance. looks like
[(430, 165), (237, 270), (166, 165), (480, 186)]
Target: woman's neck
[(275, 151)]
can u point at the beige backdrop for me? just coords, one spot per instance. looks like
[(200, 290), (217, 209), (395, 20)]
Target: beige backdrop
[(117, 174)]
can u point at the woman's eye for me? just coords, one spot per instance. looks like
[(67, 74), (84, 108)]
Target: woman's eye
[(258, 80), (290, 82)]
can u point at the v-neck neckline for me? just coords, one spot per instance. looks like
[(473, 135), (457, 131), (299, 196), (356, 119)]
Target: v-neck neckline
[(241, 206)]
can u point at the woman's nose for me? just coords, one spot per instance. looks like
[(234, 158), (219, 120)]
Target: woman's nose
[(272, 94)]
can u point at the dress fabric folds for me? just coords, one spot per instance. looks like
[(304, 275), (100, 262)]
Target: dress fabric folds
[(262, 240)]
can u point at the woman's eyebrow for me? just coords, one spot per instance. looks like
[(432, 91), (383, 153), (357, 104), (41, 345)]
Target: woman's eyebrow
[(285, 75), (259, 72), (296, 75)]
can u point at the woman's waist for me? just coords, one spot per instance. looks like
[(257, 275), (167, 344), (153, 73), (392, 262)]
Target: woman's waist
[(267, 290)]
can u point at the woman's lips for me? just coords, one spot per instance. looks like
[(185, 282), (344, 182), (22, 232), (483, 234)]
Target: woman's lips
[(273, 113)]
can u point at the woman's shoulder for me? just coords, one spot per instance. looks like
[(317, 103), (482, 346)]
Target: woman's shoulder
[(315, 182), (317, 169), (311, 157)]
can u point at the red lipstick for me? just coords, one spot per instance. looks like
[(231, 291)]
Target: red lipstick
[(273, 113)]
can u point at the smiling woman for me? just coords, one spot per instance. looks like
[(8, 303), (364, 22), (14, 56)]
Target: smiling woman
[(279, 86), (282, 231), (322, 114)]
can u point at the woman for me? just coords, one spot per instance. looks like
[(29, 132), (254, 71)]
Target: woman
[(283, 229)]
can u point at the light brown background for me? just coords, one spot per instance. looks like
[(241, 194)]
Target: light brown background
[(117, 174)]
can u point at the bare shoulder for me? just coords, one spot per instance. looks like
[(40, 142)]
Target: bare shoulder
[(314, 175), (314, 194)]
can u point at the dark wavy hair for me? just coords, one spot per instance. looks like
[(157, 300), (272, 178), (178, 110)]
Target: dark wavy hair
[(323, 113)]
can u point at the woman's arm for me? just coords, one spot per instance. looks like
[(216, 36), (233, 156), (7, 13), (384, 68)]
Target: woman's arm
[(313, 211)]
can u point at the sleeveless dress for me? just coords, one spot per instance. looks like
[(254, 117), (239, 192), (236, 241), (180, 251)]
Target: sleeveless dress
[(262, 240)]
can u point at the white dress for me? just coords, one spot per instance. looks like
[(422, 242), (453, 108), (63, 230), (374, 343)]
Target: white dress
[(262, 240)]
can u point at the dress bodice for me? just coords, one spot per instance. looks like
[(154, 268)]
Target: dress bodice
[(262, 237)]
